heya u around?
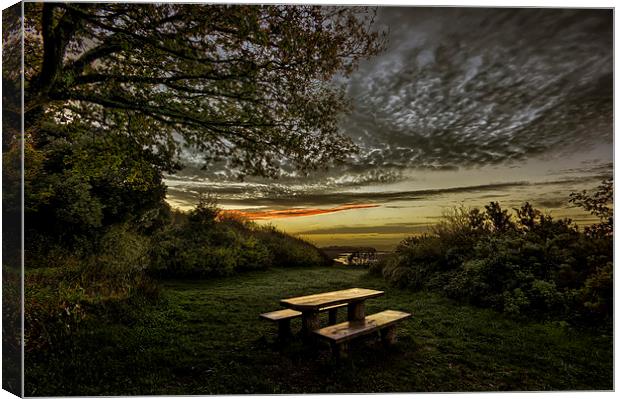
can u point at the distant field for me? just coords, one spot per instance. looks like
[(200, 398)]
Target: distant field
[(205, 337)]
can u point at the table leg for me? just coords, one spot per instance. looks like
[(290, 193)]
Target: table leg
[(340, 351), (284, 330), (356, 311), (310, 322), (333, 316), (388, 335)]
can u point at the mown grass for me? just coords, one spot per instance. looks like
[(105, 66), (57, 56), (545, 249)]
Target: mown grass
[(204, 337)]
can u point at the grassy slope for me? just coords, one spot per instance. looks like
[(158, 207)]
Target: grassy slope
[(206, 338)]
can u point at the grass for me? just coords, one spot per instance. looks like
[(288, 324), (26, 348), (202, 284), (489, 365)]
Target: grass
[(204, 337)]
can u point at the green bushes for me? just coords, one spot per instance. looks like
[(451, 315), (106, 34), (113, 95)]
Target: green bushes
[(64, 288), (90, 203), (523, 264), (198, 257), (59, 297), (289, 251), (11, 316), (57, 303), (212, 243)]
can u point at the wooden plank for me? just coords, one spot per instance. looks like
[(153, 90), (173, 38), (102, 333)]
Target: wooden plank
[(318, 301), (350, 329), (291, 314), (287, 314), (282, 314), (340, 305)]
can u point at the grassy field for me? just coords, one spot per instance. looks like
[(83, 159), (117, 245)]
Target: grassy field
[(204, 337)]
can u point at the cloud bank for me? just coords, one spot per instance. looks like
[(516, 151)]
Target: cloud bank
[(280, 199)]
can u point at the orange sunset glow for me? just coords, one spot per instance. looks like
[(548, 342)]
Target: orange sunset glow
[(295, 212)]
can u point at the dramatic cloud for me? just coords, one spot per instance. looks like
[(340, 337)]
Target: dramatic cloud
[(473, 87)]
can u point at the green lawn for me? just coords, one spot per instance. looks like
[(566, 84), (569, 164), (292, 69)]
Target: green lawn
[(205, 337)]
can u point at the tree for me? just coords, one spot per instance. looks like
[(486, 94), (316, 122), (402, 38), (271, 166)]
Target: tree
[(598, 203), (500, 218), (250, 84)]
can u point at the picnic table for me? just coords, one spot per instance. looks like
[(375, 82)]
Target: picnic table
[(337, 334), (310, 305)]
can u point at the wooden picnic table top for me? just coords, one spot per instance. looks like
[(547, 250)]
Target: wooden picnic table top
[(318, 301)]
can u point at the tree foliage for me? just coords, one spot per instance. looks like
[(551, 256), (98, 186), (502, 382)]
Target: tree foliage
[(251, 84), (114, 91), (599, 203)]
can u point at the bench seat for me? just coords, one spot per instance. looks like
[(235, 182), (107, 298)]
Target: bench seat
[(282, 314), (348, 330)]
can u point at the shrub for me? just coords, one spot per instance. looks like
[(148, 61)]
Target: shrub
[(213, 243), (528, 264), (253, 254), (181, 253), (56, 304), (289, 251), (51, 314), (416, 258), (58, 299), (515, 301), (597, 293), (11, 310)]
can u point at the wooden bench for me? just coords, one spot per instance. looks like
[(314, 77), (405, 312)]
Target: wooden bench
[(284, 316), (339, 334)]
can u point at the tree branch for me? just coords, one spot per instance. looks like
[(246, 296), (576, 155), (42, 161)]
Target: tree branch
[(55, 41), (109, 47)]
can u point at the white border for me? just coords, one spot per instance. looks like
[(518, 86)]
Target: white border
[(453, 3)]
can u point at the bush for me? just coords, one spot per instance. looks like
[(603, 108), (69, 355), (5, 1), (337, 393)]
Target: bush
[(58, 299), (597, 296), (184, 252), (289, 251), (253, 254), (11, 310), (51, 314), (528, 264), (416, 259), (212, 243)]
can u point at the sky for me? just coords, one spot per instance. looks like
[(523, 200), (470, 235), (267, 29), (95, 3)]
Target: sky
[(464, 107)]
